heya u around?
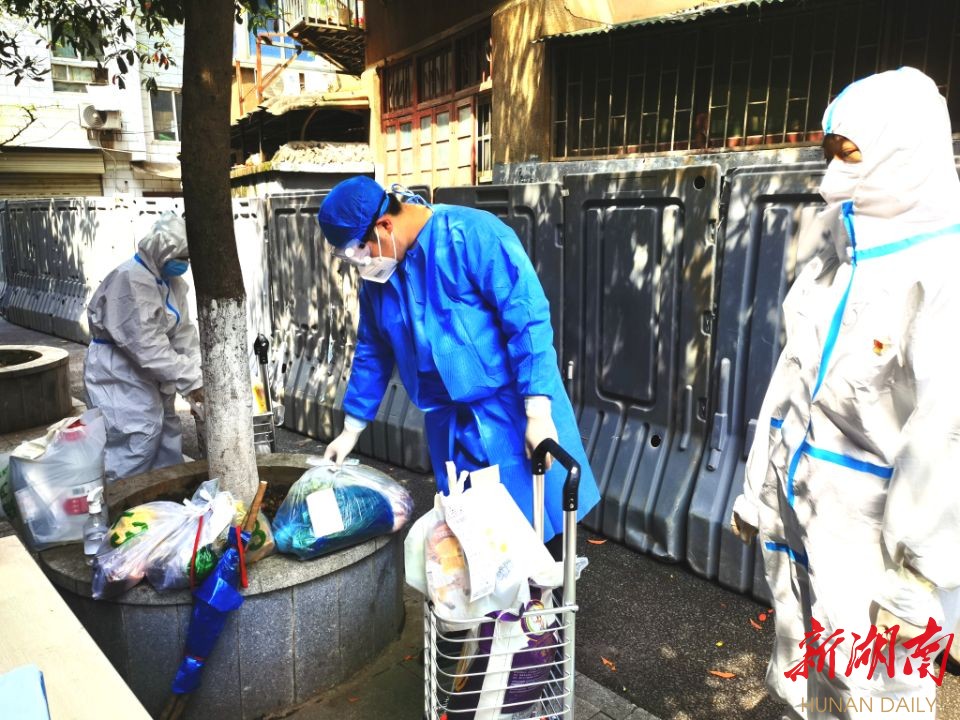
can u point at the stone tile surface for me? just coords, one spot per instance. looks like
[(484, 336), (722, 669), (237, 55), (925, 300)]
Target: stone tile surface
[(316, 637), (266, 664), (153, 653)]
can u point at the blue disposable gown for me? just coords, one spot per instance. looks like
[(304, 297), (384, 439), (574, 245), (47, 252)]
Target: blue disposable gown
[(467, 324)]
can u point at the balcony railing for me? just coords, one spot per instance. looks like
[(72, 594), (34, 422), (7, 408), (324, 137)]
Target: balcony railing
[(333, 29), (338, 13)]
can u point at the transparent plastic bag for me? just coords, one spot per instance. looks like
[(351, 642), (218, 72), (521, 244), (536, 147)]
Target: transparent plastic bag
[(121, 561), (168, 566), (51, 477), (330, 508)]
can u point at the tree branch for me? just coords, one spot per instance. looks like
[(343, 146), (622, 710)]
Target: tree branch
[(29, 110)]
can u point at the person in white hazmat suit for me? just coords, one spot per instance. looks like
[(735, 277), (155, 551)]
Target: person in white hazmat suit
[(144, 350), (852, 480)]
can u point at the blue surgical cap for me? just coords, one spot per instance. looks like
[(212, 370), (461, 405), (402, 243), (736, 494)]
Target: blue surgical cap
[(350, 210)]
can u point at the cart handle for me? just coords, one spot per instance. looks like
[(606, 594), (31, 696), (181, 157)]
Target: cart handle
[(571, 485), (261, 348)]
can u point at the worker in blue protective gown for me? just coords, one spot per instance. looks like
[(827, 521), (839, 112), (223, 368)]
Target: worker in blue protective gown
[(852, 483), (451, 298), (144, 350)]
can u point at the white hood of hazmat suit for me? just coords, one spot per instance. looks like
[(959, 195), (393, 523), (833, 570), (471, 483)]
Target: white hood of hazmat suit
[(852, 476), (145, 349)]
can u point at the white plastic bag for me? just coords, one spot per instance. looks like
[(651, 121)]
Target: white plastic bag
[(51, 477), (168, 566), (501, 551)]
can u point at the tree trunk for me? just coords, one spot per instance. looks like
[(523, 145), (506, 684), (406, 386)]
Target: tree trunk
[(221, 301)]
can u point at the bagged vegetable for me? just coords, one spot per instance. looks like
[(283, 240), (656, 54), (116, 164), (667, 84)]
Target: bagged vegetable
[(121, 561), (330, 508), (209, 514), (261, 537), (157, 539), (51, 477)]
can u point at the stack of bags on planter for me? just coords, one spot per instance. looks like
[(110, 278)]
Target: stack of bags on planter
[(173, 545), (176, 545)]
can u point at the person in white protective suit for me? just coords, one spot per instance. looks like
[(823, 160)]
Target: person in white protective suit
[(144, 350), (852, 481)]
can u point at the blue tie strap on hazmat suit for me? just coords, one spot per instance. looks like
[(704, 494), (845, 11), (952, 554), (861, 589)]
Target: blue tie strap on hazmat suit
[(145, 349), (467, 324)]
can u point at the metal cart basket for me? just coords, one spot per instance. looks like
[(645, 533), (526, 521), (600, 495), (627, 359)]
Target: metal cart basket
[(531, 677)]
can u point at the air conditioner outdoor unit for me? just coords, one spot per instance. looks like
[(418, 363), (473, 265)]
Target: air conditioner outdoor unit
[(95, 119)]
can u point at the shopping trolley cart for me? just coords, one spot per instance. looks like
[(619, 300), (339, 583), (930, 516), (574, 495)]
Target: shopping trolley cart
[(518, 663), (264, 423)]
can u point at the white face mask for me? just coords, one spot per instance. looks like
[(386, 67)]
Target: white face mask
[(380, 269), (840, 181)]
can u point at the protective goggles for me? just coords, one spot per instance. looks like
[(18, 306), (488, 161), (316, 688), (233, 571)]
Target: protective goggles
[(354, 253)]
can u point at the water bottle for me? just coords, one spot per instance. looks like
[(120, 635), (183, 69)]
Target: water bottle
[(95, 528)]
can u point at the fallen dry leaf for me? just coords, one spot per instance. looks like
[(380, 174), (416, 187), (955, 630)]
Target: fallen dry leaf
[(756, 625), (353, 699), (722, 674), (407, 658), (609, 663), (597, 542)]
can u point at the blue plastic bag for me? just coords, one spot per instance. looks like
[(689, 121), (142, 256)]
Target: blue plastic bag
[(330, 508)]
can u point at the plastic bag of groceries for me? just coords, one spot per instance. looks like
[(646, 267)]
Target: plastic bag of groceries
[(52, 475), (475, 552), (158, 538), (206, 517), (330, 508), (510, 664)]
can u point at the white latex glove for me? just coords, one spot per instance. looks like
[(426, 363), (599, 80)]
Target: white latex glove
[(540, 425), (742, 529), (343, 444)]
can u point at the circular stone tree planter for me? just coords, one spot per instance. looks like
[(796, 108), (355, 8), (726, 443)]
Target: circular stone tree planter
[(34, 386), (304, 627)]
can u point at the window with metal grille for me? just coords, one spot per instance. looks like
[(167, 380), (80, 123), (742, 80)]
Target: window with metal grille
[(484, 134), (72, 71), (748, 77), (435, 74), (433, 122), (473, 58), (397, 86)]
